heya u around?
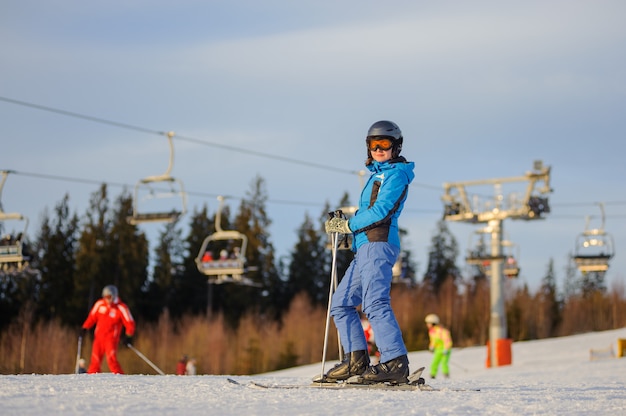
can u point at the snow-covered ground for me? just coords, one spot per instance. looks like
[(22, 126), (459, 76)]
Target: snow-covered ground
[(553, 376)]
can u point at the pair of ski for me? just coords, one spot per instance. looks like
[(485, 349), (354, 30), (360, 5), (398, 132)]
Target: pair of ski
[(415, 382)]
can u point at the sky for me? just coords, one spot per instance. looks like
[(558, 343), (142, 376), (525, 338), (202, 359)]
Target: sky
[(547, 377), (286, 91)]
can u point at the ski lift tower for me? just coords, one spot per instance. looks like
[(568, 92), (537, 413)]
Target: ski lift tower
[(532, 205)]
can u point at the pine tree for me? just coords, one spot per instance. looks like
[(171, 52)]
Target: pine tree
[(91, 276), (570, 287), (253, 221), (409, 267), (442, 256), (549, 314), (194, 286), (167, 273), (111, 251), (57, 242), (130, 253), (592, 282), (520, 315), (176, 283), (308, 267)]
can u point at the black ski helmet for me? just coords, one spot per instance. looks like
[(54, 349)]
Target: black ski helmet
[(389, 129)]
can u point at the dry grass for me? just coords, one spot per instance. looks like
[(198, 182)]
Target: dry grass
[(261, 345)]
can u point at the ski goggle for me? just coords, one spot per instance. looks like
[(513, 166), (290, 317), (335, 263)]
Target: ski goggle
[(382, 144)]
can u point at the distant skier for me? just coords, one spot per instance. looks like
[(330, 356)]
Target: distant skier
[(191, 367), (207, 257), (181, 365), (109, 314), (82, 366), (440, 345), (369, 336)]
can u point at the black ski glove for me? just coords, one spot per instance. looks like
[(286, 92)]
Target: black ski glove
[(82, 332), (127, 340)]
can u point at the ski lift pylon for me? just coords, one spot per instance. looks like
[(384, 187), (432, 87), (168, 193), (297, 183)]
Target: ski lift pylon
[(222, 255), (145, 190), (594, 247), (13, 257)]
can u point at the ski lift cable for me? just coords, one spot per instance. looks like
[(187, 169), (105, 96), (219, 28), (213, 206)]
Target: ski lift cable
[(270, 201), (82, 116), (213, 144), (126, 185), (162, 133), (265, 155), (195, 140)]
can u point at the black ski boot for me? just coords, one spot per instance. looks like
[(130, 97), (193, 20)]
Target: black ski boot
[(353, 364), (394, 371)]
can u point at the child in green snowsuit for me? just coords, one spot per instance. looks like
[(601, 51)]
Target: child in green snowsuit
[(440, 345)]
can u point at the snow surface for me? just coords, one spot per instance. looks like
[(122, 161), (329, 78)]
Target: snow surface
[(554, 376)]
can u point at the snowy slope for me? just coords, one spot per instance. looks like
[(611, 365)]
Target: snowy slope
[(554, 376)]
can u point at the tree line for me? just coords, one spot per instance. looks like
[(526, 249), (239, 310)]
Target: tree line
[(75, 257)]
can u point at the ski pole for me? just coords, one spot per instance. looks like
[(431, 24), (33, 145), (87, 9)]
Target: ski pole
[(335, 241), (335, 281), (335, 277), (80, 344), (143, 357), (455, 364)]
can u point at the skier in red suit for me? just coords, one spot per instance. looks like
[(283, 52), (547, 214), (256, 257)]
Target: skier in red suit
[(108, 314)]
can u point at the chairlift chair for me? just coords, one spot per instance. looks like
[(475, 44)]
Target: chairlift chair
[(222, 255), (234, 243), (511, 268), (478, 256), (13, 258), (593, 251), (147, 189), (594, 248), (146, 211)]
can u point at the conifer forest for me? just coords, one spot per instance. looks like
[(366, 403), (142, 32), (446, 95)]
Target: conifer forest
[(274, 321)]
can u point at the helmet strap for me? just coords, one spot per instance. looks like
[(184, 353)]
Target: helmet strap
[(396, 149)]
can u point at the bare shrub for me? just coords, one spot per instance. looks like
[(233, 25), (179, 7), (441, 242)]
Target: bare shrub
[(262, 345)]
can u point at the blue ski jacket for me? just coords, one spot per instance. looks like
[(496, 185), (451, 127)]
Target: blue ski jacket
[(381, 202)]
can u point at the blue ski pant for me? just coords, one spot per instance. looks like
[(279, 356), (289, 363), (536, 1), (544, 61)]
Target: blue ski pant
[(367, 282)]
